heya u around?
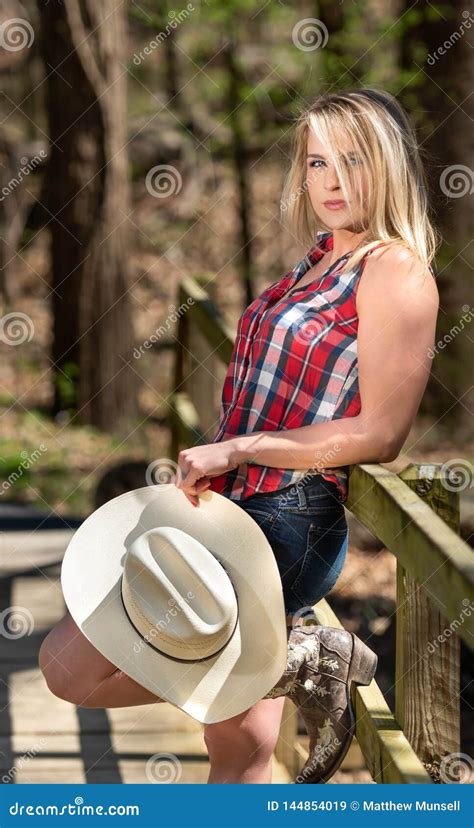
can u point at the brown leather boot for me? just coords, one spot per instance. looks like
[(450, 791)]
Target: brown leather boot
[(322, 663)]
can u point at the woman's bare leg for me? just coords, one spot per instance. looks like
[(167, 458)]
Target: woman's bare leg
[(240, 749), (75, 671)]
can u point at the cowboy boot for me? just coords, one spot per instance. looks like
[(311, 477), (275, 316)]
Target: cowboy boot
[(322, 663)]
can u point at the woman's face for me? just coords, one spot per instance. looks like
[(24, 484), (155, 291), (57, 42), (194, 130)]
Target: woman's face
[(325, 191)]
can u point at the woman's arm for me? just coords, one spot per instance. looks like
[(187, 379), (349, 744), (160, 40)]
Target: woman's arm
[(397, 304)]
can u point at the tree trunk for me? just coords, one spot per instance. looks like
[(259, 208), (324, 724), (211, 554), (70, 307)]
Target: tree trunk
[(442, 90), (240, 163), (82, 44)]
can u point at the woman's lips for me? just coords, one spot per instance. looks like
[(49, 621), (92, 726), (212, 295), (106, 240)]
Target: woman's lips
[(334, 205)]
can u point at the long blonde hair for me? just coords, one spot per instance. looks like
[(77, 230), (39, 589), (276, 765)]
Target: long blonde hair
[(378, 130)]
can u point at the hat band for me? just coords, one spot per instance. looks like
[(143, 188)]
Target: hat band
[(174, 658)]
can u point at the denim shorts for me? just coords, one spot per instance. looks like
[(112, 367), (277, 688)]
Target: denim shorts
[(305, 525)]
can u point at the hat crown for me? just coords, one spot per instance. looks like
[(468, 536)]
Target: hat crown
[(178, 595)]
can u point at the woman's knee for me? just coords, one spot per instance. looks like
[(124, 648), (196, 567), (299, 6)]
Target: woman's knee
[(248, 738), (57, 676), (70, 664)]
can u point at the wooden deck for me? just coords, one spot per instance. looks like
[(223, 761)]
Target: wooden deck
[(44, 739)]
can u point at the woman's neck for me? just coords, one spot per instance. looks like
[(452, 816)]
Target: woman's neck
[(344, 241)]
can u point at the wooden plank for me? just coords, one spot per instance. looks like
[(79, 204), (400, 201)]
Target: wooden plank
[(207, 317), (201, 384), (44, 738), (388, 754), (427, 680), (426, 547), (286, 747), (30, 550), (185, 424)]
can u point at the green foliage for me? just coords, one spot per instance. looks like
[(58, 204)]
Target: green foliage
[(66, 384)]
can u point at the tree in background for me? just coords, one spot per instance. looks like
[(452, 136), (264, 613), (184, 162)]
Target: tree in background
[(83, 44)]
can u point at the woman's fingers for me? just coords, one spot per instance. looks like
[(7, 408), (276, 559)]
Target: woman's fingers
[(193, 492), (202, 484)]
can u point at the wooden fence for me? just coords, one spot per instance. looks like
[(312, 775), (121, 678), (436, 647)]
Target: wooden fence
[(416, 516)]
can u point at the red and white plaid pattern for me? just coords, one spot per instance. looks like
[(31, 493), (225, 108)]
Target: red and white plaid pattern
[(294, 363)]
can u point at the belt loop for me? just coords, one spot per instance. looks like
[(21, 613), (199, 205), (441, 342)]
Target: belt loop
[(302, 502)]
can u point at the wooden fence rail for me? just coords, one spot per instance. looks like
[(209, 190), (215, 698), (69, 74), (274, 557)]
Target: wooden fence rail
[(416, 516)]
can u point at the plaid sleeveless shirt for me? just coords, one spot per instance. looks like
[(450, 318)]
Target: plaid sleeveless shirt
[(294, 363)]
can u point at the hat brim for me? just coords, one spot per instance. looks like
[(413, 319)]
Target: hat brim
[(254, 659)]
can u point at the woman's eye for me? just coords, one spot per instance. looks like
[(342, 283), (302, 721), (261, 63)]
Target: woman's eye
[(354, 160), (316, 163)]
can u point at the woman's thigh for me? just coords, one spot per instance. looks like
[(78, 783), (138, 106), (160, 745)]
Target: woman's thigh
[(66, 656), (308, 535)]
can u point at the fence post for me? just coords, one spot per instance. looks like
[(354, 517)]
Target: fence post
[(202, 382), (427, 702), (179, 375), (285, 748)]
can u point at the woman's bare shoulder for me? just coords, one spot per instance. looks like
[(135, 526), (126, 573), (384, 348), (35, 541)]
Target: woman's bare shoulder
[(396, 273)]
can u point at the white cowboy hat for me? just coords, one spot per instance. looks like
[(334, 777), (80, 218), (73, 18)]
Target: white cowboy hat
[(186, 600)]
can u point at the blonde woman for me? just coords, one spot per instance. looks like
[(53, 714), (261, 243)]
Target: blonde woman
[(329, 367)]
